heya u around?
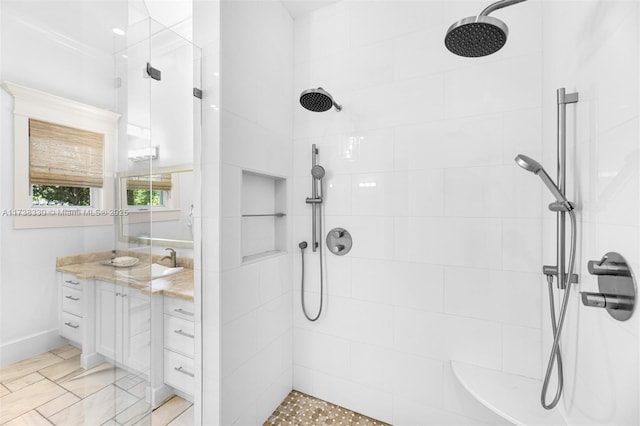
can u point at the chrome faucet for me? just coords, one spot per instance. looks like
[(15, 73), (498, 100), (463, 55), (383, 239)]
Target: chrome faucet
[(171, 257)]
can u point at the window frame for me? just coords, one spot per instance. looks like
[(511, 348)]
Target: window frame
[(30, 103)]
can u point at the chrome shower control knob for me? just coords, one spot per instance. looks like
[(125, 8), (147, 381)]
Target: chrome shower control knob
[(339, 241)]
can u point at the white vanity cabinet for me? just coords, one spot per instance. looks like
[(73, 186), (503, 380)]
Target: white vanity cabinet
[(179, 345), (123, 325), (76, 316)]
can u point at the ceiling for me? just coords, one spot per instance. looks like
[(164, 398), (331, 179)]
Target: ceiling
[(299, 8)]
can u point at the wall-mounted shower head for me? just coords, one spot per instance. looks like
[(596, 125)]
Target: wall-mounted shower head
[(318, 100), (536, 168), (302, 245), (317, 171), (481, 35)]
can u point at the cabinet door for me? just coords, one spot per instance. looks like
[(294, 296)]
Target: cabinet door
[(107, 318), (137, 330)]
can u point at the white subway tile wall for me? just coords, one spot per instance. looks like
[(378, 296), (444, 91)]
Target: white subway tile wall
[(256, 135), (447, 254)]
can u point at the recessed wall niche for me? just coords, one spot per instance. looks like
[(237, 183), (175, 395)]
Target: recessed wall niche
[(263, 215)]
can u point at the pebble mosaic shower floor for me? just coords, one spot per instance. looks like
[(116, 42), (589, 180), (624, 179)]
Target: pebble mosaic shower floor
[(303, 410)]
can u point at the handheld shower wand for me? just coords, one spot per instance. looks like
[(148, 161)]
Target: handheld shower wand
[(536, 168), (561, 205)]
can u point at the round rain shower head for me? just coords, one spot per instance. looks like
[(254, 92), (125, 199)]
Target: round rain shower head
[(528, 163), (317, 100), (317, 172), (476, 36)]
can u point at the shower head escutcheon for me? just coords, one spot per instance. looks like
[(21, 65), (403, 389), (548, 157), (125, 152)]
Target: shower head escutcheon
[(531, 165), (317, 172), (318, 100), (480, 35)]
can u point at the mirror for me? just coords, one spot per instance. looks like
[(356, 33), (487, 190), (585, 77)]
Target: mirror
[(163, 199)]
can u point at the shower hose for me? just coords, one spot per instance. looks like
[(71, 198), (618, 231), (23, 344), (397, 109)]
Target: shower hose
[(304, 310), (557, 328)]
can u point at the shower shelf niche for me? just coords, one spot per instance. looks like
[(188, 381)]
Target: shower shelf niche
[(264, 224), (512, 397)]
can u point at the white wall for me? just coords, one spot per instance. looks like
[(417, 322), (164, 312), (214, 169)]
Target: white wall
[(592, 47), (446, 259), (256, 125), (34, 56)]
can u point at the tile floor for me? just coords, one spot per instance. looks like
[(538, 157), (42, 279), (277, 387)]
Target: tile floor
[(52, 388), (303, 410)]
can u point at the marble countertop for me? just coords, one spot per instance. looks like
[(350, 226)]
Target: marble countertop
[(177, 285)]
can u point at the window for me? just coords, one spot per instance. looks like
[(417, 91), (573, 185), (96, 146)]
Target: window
[(55, 195), (64, 157), (64, 164)]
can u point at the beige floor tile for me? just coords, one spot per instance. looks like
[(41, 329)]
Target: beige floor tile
[(28, 366), (58, 404), (64, 348), (134, 414), (167, 412), (28, 398), (70, 353), (139, 390), (95, 409), (32, 418), (3, 391), (24, 381), (60, 371), (184, 419), (110, 423), (91, 381), (129, 381)]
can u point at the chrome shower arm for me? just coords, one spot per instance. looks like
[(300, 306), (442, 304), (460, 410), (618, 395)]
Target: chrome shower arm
[(499, 5)]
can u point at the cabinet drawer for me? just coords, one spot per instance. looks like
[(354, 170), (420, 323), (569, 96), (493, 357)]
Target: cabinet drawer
[(179, 335), (71, 327), (179, 371), (72, 281), (180, 308), (72, 300)]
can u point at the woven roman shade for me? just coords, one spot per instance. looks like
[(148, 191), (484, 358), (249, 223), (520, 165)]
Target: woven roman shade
[(160, 182), (64, 156)]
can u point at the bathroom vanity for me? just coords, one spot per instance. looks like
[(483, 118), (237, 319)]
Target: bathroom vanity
[(144, 326)]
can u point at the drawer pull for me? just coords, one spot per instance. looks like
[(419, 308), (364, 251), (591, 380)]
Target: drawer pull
[(72, 282), (70, 324), (183, 371), (182, 333), (183, 312), (75, 299)]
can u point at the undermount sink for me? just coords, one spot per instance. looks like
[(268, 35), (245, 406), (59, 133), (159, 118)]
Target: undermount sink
[(158, 270), (147, 272)]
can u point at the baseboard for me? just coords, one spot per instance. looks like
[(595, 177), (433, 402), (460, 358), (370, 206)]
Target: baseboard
[(28, 346), (159, 394), (90, 360)]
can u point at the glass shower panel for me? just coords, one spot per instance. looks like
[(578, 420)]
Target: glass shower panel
[(132, 305), (160, 123)]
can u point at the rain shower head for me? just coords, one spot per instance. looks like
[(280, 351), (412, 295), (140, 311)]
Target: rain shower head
[(478, 36), (317, 172), (318, 100), (536, 168)]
